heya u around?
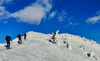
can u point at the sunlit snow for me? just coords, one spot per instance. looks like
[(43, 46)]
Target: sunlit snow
[(38, 47)]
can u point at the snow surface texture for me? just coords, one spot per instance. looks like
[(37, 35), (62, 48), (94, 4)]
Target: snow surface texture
[(39, 47)]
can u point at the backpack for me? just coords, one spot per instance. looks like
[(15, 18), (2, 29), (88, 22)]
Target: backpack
[(7, 38)]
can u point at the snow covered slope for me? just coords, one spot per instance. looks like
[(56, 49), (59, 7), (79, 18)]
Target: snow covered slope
[(38, 47)]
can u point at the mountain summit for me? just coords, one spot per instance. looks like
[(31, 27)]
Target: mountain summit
[(39, 47)]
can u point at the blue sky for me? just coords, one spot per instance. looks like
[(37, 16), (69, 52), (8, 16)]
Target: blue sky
[(78, 17)]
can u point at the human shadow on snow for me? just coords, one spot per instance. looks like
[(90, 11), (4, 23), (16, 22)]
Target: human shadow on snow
[(6, 46), (50, 41)]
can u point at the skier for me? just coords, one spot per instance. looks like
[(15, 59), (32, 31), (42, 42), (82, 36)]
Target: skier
[(25, 36), (19, 36), (8, 38)]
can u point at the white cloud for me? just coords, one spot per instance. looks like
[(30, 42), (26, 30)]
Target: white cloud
[(3, 13), (70, 18), (46, 3), (62, 16), (75, 24), (93, 20), (98, 12), (4, 1), (32, 14), (52, 14), (5, 22), (71, 24), (2, 10), (35, 13)]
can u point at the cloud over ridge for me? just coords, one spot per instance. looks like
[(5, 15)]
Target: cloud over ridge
[(4, 1), (93, 20), (35, 13)]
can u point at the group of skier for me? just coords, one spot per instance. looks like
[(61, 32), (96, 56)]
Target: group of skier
[(8, 38)]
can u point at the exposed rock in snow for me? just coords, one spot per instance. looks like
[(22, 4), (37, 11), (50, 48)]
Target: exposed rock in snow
[(68, 45), (92, 55), (55, 37), (82, 47)]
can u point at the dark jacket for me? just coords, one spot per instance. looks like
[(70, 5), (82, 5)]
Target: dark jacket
[(8, 38), (19, 36), (25, 35)]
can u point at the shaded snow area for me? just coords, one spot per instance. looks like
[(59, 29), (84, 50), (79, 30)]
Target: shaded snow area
[(40, 47)]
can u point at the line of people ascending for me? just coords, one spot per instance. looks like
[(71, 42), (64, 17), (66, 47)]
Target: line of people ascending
[(8, 39)]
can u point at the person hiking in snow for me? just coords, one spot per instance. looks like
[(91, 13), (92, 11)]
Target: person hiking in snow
[(19, 37), (25, 36), (8, 38)]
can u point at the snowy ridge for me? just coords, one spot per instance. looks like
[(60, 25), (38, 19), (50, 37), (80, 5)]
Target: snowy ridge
[(38, 47)]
